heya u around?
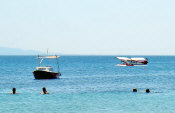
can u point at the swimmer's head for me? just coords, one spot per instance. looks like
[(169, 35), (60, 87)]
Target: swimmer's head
[(44, 90), (14, 90), (135, 90), (147, 90)]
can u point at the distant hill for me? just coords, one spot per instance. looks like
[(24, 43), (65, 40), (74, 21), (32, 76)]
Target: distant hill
[(16, 51)]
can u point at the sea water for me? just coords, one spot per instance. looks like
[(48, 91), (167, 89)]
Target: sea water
[(89, 84)]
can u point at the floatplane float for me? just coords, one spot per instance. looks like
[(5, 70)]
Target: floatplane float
[(46, 72), (132, 61)]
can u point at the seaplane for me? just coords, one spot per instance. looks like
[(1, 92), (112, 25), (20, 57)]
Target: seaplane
[(137, 61)]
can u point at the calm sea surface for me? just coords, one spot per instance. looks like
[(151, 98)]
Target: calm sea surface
[(89, 84)]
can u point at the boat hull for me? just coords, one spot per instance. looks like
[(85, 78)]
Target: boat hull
[(45, 75)]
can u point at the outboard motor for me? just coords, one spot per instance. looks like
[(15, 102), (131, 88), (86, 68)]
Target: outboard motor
[(145, 62)]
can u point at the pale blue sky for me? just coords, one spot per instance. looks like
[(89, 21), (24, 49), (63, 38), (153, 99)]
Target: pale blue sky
[(97, 27)]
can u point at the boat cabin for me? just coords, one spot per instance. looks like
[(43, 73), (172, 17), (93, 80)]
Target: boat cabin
[(47, 68)]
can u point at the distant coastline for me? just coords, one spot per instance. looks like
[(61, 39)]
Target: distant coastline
[(16, 51), (4, 51)]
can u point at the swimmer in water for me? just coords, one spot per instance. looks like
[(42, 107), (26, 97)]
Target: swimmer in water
[(44, 91), (13, 91), (135, 90), (147, 90)]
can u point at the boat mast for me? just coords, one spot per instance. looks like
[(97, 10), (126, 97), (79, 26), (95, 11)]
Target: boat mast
[(47, 51), (57, 63)]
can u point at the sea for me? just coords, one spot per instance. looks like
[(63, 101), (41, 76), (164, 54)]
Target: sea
[(88, 84)]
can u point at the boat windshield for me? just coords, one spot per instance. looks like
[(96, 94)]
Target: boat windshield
[(44, 68)]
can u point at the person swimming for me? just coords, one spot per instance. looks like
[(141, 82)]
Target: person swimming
[(135, 90), (44, 91), (13, 91), (147, 90)]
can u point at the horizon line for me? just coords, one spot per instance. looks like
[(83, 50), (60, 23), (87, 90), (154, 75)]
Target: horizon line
[(90, 55)]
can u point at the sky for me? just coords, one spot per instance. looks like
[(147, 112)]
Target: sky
[(89, 27)]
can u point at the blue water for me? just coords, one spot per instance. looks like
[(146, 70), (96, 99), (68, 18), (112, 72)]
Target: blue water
[(89, 84)]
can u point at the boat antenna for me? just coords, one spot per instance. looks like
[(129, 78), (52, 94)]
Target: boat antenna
[(40, 61)]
